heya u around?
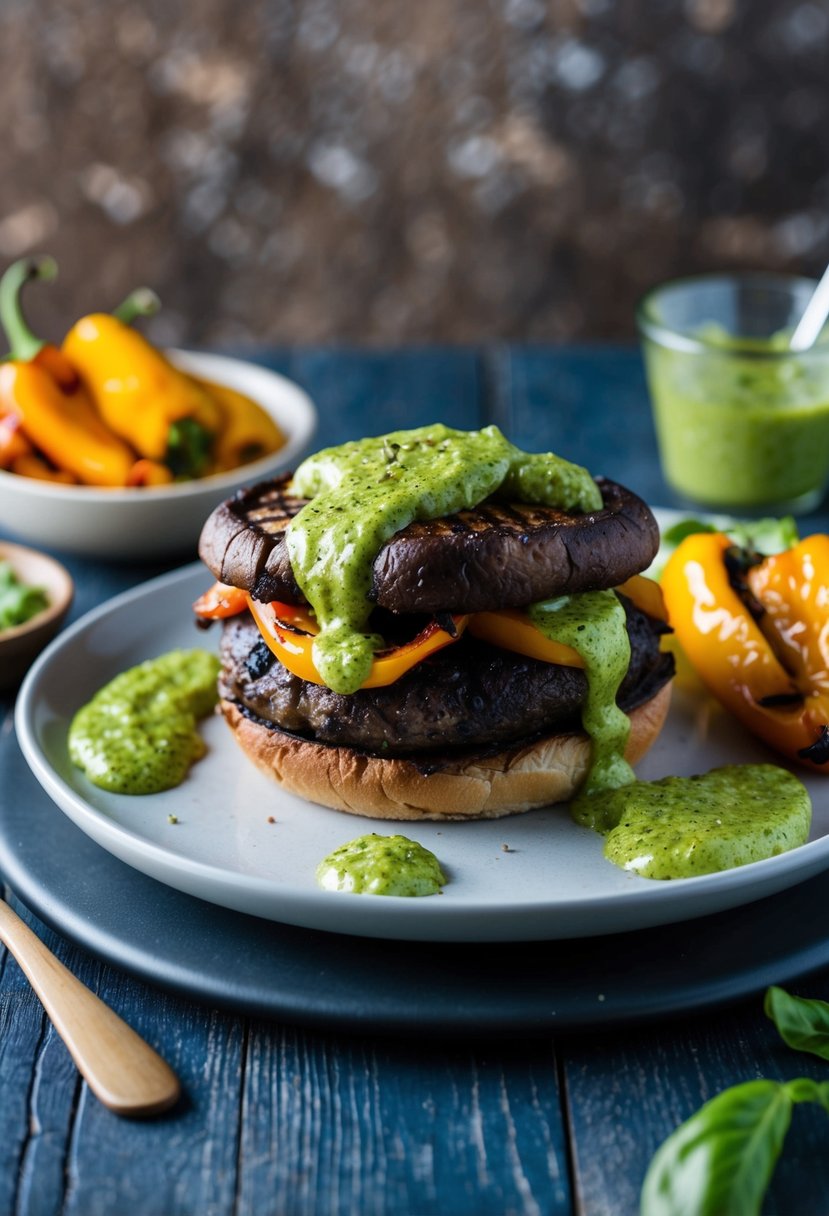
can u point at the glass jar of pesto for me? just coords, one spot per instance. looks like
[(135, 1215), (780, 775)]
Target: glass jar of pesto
[(742, 422)]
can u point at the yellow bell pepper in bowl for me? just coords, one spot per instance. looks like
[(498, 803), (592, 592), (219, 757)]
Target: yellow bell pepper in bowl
[(172, 433)]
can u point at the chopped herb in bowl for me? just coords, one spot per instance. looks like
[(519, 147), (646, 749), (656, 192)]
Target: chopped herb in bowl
[(19, 601)]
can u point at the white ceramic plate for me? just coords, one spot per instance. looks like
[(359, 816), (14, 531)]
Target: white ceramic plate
[(552, 883)]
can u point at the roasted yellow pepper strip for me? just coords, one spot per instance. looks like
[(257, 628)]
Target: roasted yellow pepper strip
[(149, 473), (793, 587), (294, 649), (647, 595), (512, 629), (34, 466), (13, 442), (64, 426), (509, 628), (769, 672), (24, 346), (139, 393), (41, 393), (247, 431)]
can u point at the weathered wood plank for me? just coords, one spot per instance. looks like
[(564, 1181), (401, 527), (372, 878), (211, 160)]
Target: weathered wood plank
[(21, 1041), (53, 1101), (337, 1126), (39, 1084), (182, 1162), (61, 1150)]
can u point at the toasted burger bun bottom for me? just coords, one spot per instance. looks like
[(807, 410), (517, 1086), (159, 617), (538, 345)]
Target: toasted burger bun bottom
[(485, 787)]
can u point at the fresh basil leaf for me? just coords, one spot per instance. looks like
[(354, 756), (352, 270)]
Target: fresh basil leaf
[(765, 536), (677, 533), (804, 1089), (19, 602), (720, 1161), (803, 1024)]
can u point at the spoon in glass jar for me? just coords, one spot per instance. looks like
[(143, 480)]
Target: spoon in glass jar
[(814, 317)]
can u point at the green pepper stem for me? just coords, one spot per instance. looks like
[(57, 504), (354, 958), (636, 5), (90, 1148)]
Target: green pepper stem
[(24, 345), (142, 302)]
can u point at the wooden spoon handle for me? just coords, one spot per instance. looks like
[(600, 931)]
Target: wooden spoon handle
[(120, 1068)]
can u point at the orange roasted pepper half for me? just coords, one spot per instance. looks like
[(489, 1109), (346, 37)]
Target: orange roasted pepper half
[(758, 635), (220, 602), (289, 632)]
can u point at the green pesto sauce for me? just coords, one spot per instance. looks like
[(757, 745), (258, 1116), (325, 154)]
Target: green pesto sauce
[(138, 734), (737, 429), (19, 601), (381, 865), (593, 623), (363, 492), (680, 827)]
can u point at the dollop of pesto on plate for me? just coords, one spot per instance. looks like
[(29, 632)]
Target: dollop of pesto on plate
[(138, 734), (381, 865), (361, 493), (680, 827), (677, 827)]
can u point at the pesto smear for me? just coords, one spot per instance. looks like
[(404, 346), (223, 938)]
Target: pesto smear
[(363, 492), (683, 826), (680, 826), (381, 865), (138, 733)]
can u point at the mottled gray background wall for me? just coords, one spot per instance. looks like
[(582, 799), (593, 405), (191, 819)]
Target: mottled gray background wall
[(408, 170)]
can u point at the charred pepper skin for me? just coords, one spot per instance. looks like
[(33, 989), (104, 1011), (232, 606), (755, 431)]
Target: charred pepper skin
[(763, 651)]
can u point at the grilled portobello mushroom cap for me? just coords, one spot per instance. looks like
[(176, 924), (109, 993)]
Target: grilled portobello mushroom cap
[(497, 555)]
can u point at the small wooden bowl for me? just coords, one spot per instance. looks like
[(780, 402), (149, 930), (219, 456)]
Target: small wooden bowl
[(20, 645)]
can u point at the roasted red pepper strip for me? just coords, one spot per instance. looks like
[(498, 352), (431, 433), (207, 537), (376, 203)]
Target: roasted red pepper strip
[(767, 667), (220, 602)]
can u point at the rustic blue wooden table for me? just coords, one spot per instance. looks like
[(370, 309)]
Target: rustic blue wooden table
[(285, 1119)]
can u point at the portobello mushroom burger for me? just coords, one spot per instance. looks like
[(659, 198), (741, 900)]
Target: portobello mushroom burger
[(434, 624)]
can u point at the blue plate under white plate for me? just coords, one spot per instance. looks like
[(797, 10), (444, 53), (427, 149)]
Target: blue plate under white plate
[(246, 964), (240, 841)]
